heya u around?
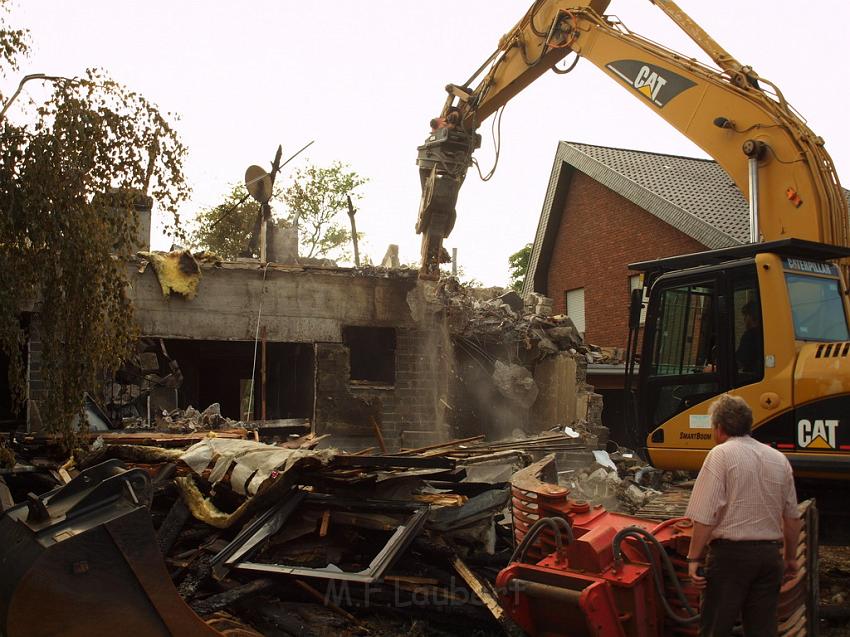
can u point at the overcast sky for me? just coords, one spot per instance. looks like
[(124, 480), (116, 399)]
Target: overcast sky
[(364, 78)]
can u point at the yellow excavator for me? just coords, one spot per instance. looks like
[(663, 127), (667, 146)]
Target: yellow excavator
[(767, 320)]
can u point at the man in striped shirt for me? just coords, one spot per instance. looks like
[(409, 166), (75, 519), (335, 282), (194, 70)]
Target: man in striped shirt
[(744, 507)]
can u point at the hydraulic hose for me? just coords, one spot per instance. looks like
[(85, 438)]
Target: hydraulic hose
[(553, 523), (642, 535)]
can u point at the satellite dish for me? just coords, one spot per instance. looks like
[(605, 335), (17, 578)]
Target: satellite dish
[(259, 183)]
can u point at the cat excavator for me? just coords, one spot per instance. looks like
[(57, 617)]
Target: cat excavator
[(766, 320), (83, 559)]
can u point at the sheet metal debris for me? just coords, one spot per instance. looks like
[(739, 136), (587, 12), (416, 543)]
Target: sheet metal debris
[(246, 531)]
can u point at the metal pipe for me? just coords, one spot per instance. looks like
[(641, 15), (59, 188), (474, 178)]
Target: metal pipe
[(351, 213), (755, 231), (263, 238), (547, 591), (263, 376)]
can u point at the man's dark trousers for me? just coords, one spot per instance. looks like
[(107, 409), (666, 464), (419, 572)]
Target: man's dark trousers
[(743, 580)]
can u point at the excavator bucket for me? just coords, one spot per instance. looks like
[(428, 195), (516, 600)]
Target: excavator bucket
[(437, 216), (443, 160), (83, 560)]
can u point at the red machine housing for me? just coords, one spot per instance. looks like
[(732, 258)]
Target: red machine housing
[(582, 590)]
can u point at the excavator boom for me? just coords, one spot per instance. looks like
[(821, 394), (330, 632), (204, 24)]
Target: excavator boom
[(737, 117)]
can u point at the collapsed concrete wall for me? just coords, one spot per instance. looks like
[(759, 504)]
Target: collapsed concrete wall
[(517, 370), (372, 356), (335, 317)]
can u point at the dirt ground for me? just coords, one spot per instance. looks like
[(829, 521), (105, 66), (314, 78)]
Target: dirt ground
[(834, 589)]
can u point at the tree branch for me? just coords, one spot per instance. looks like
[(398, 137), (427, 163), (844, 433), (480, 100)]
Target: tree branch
[(27, 78)]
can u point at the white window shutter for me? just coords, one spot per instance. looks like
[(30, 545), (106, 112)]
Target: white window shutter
[(636, 284), (575, 307)]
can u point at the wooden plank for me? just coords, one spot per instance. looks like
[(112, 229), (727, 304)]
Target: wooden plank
[(451, 443), (326, 520), (223, 600), (487, 595), (378, 434), (412, 579), (156, 438), (325, 600), (172, 525)]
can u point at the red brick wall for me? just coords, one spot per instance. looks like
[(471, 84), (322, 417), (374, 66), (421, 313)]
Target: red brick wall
[(600, 234)]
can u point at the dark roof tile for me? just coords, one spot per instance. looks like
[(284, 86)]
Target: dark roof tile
[(694, 195)]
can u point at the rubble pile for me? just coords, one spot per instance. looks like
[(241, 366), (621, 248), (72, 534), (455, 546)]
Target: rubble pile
[(283, 538), (508, 319), (190, 419), (496, 316), (622, 481)]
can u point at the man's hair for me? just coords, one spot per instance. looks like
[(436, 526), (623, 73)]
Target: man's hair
[(732, 415)]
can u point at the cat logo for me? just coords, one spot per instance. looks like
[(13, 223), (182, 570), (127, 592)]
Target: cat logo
[(656, 84), (817, 435)]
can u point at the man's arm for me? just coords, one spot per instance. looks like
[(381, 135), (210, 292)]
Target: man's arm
[(790, 523), (791, 534), (699, 540)]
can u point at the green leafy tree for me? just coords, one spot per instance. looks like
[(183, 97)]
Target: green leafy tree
[(518, 264), (226, 229), (72, 169), (316, 199)]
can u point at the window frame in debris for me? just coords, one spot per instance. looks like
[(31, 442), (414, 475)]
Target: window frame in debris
[(371, 355), (236, 555), (578, 317)]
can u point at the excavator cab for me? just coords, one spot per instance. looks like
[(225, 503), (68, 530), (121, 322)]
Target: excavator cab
[(767, 322)]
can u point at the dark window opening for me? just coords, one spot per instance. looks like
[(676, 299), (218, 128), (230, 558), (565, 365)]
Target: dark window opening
[(221, 372), (12, 414), (372, 353)]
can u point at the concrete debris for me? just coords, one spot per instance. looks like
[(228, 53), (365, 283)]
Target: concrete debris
[(190, 419), (507, 319), (512, 300), (516, 383), (390, 259), (619, 481)]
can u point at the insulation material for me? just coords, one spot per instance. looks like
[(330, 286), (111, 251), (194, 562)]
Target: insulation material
[(250, 458), (177, 272), (203, 509)]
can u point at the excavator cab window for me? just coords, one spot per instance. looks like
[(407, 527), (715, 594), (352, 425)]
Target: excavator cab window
[(746, 328), (816, 307), (684, 366), (704, 336)]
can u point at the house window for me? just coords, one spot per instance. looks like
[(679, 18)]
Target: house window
[(574, 304), (371, 353), (636, 284)]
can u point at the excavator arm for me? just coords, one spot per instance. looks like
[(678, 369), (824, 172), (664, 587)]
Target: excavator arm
[(737, 117)]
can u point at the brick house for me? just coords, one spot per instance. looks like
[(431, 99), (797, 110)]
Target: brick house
[(608, 207)]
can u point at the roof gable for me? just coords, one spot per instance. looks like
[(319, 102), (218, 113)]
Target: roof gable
[(695, 195)]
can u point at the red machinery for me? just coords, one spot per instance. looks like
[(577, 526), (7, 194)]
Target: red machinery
[(581, 570)]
